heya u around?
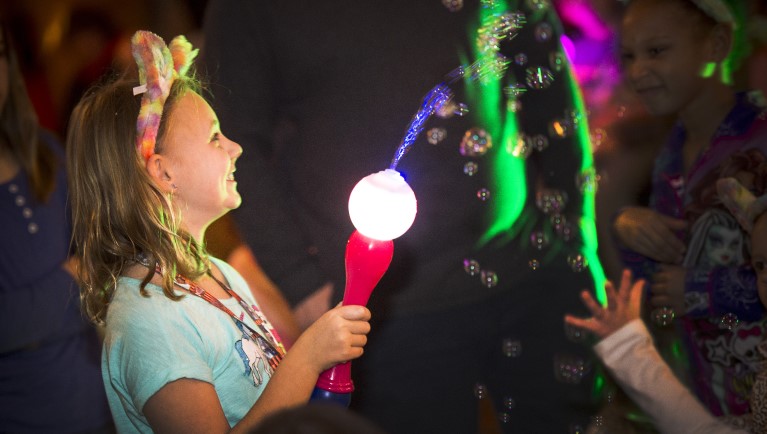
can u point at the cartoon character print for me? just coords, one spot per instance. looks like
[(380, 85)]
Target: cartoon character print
[(254, 357), (730, 360), (717, 240)]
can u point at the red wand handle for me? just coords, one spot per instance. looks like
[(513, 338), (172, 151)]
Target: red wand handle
[(366, 262)]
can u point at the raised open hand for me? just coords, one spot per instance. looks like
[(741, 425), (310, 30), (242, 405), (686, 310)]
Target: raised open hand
[(622, 307)]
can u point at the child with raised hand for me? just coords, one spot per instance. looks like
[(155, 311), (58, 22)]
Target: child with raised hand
[(627, 350), (186, 348), (676, 57)]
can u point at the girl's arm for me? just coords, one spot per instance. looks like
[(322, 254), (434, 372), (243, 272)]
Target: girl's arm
[(628, 353), (192, 406), (631, 357)]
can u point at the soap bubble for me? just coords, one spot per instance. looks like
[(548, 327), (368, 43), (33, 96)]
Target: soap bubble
[(476, 142), (436, 135), (543, 32), (598, 137), (587, 181), (470, 168), (728, 321), (504, 417), (471, 267), (539, 240), (662, 316), (483, 194), (520, 59), (557, 61), (519, 147), (538, 5), (577, 262), (511, 348), (575, 334), (480, 391), (509, 403), (488, 278), (551, 201), (534, 264), (514, 106), (538, 78), (453, 5), (461, 109), (570, 369), (514, 90), (539, 142)]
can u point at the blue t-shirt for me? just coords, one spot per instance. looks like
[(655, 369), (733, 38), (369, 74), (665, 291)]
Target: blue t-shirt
[(152, 341)]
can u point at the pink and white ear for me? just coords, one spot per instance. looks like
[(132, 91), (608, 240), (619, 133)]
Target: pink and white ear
[(158, 170), (738, 200)]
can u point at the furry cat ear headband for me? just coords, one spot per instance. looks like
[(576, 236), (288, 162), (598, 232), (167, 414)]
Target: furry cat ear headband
[(158, 65), (716, 9), (741, 202)]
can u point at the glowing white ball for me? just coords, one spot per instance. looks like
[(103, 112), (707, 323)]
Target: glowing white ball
[(382, 206)]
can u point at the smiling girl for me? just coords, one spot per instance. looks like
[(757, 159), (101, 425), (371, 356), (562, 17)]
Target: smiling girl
[(187, 348), (676, 56)]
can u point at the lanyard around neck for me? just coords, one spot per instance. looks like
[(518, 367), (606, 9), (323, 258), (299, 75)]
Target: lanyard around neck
[(271, 345)]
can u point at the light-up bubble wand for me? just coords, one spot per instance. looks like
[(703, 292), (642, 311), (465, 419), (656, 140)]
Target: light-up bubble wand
[(382, 207)]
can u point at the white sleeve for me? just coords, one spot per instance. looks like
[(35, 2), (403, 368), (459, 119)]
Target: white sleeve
[(629, 354)]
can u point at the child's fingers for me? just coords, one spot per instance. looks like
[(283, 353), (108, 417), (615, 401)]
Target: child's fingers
[(591, 304), (354, 312), (635, 297), (625, 286), (359, 327), (612, 296), (583, 323)]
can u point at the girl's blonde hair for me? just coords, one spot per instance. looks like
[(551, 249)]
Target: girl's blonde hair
[(118, 213)]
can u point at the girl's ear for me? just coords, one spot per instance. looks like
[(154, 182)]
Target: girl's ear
[(721, 38), (160, 171)]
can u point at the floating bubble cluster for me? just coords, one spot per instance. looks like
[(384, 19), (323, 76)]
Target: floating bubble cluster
[(534, 264), (520, 59)]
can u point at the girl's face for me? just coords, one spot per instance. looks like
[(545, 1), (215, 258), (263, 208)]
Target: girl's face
[(663, 54), (759, 255), (200, 162)]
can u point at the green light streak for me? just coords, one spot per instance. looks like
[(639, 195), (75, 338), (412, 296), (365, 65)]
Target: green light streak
[(509, 181), (588, 224)]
